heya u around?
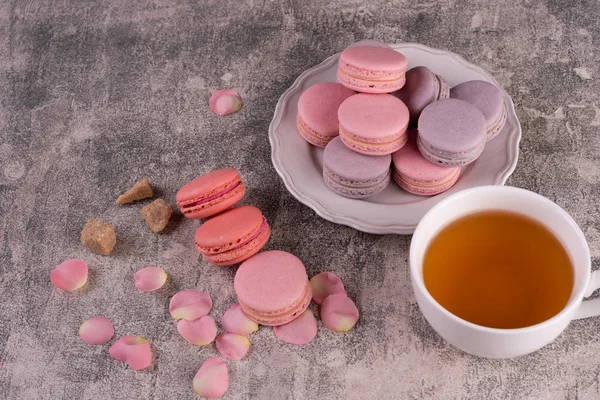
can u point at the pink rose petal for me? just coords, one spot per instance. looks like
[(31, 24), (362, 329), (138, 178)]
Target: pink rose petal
[(70, 275), (190, 305), (232, 345), (339, 313), (150, 279), (325, 284), (302, 330), (97, 330), (235, 321), (200, 332), (133, 350), (212, 379), (225, 101)]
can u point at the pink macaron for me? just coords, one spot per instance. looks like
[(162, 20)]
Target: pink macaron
[(373, 124), (372, 69), (417, 175), (232, 236), (272, 287), (211, 193), (317, 119)]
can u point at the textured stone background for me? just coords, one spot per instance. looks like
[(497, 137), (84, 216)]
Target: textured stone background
[(93, 97)]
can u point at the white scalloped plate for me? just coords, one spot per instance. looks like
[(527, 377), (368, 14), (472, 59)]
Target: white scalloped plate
[(393, 210)]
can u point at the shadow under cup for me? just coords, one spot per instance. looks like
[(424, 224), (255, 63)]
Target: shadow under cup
[(492, 342)]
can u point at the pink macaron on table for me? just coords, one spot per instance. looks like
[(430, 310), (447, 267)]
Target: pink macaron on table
[(394, 209)]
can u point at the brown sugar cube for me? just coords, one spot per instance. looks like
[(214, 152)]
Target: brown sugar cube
[(157, 214), (99, 236), (141, 190)]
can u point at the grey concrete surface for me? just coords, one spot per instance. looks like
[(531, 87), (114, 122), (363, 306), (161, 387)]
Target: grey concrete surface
[(94, 95)]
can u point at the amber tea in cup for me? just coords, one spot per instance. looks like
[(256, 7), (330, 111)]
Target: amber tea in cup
[(498, 269)]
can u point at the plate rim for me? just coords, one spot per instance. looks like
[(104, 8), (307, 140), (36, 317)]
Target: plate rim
[(499, 178)]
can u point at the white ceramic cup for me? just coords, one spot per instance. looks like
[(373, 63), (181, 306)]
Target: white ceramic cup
[(492, 342)]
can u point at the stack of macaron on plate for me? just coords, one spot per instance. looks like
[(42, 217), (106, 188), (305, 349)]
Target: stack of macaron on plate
[(373, 104), (375, 118)]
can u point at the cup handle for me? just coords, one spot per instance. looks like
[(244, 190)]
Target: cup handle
[(590, 308)]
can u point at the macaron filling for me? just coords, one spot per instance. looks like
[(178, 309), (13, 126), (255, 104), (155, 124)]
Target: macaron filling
[(446, 158), (355, 182), (261, 229), (280, 317), (497, 126), (352, 72), (311, 135), (414, 185), (371, 147), (443, 88), (234, 245), (387, 140), (210, 198), (356, 191)]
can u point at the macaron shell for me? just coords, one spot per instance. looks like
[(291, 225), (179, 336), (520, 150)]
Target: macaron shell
[(444, 88), (373, 149), (372, 69), (366, 86), (497, 126), (240, 254), (418, 188), (217, 205), (373, 118), (449, 159), (421, 89), (483, 95), (374, 61), (451, 132), (280, 317), (311, 136), (207, 184), (354, 168), (271, 282), (355, 192), (228, 229), (318, 106), (410, 164), (223, 184)]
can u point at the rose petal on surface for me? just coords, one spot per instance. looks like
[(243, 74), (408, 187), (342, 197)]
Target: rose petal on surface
[(200, 332), (190, 304), (212, 379), (339, 313), (325, 284), (150, 279), (70, 275), (300, 331), (97, 330), (225, 101), (235, 321), (232, 346), (133, 350)]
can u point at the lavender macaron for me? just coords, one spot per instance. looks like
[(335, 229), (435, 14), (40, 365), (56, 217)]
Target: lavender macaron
[(488, 99), (451, 133), (422, 88), (353, 174)]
